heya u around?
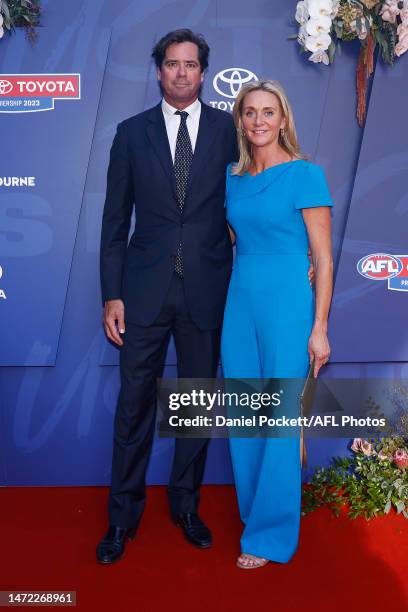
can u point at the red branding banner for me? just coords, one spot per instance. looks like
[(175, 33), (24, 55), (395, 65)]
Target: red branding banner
[(40, 85)]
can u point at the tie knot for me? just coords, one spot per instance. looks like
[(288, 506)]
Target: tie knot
[(183, 115)]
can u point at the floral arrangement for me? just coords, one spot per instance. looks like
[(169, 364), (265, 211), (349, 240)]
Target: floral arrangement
[(370, 483), (20, 14), (324, 23)]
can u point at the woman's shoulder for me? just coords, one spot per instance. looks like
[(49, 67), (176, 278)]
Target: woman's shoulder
[(311, 188), (307, 163), (232, 177), (309, 169), (302, 162), (231, 167)]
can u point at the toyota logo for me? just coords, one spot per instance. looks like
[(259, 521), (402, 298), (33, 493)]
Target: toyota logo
[(228, 82), (5, 87)]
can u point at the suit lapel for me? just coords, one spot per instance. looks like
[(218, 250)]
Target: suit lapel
[(205, 137), (156, 131), (157, 134)]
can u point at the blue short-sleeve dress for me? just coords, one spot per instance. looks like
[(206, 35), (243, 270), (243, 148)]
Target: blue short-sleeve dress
[(267, 323)]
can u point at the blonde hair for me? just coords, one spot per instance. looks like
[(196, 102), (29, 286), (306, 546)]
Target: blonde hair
[(287, 139)]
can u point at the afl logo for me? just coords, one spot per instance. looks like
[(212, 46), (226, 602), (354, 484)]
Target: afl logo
[(5, 87), (379, 266), (228, 82)]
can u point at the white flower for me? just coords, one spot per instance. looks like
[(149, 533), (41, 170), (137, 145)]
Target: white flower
[(319, 8), (1, 32), (402, 29), (335, 8), (314, 27), (402, 45), (315, 43), (404, 15), (390, 11), (302, 13), (302, 35), (319, 56)]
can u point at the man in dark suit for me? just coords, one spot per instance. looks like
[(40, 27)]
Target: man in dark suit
[(168, 162)]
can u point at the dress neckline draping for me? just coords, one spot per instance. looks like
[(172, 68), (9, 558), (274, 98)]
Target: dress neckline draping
[(293, 161)]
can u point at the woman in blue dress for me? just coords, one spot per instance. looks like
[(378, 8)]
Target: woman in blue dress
[(274, 327)]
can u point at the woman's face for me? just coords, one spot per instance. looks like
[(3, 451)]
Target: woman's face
[(262, 118)]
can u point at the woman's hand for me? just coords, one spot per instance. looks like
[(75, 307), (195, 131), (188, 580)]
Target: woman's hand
[(319, 349), (232, 235)]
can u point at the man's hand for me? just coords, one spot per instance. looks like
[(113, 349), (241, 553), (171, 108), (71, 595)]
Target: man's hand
[(311, 271), (114, 320)]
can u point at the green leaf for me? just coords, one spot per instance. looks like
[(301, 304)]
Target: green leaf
[(5, 11), (331, 51)]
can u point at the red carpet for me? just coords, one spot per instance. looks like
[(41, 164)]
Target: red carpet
[(49, 537)]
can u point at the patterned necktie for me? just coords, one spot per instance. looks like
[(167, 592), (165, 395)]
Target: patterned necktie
[(182, 164)]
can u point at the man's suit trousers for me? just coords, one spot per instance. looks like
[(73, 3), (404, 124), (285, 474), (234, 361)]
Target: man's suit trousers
[(141, 363)]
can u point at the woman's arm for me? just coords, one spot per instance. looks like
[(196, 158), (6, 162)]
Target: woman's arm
[(317, 221)]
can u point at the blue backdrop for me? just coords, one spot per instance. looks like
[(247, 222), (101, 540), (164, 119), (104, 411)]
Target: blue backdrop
[(59, 376)]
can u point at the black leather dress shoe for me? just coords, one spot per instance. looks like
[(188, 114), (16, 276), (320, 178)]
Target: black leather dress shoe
[(195, 531), (112, 546)]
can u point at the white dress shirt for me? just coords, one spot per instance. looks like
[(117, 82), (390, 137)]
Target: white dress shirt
[(172, 122)]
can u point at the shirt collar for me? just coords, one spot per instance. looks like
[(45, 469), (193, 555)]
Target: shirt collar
[(192, 110)]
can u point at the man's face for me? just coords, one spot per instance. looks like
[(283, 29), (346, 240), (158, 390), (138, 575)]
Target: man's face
[(180, 74)]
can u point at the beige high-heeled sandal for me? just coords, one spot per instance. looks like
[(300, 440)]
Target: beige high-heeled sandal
[(253, 562)]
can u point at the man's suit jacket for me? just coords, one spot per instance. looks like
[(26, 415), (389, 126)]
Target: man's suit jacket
[(141, 175)]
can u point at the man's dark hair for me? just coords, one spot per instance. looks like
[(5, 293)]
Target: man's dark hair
[(180, 36)]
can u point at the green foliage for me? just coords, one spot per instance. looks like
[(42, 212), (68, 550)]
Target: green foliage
[(365, 485), (21, 14), (390, 37), (331, 51)]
